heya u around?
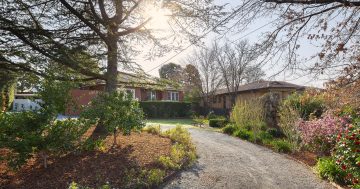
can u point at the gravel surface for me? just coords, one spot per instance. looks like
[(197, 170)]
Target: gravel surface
[(228, 162)]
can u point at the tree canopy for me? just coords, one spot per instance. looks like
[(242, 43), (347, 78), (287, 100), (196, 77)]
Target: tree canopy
[(69, 33), (171, 71)]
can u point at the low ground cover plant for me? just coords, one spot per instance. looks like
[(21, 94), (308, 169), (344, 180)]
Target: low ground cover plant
[(327, 169), (153, 129), (229, 129), (281, 145), (183, 152)]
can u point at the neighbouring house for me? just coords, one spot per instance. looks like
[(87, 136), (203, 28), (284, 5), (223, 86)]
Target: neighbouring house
[(26, 102), (221, 102), (142, 88)]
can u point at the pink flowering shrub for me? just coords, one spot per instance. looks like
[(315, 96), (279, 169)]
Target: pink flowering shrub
[(320, 134)]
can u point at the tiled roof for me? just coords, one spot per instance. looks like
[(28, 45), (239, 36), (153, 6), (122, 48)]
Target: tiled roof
[(263, 85)]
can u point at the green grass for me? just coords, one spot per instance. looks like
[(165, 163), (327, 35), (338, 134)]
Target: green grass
[(170, 121)]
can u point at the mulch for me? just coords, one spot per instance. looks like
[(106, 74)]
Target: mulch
[(137, 151), (309, 158)]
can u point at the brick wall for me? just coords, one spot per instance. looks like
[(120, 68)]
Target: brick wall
[(79, 98)]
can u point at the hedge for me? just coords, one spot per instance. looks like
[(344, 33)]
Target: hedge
[(217, 122), (166, 109)]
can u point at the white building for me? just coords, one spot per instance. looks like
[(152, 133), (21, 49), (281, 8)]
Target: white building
[(26, 102)]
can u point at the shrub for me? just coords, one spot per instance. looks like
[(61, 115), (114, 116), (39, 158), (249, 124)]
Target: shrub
[(199, 120), (264, 137), (347, 152), (154, 177), (229, 129), (288, 123), (308, 104), (218, 122), (55, 96), (153, 129), (281, 146), (179, 134), (244, 134), (166, 109), (319, 134), (327, 169), (249, 115), (28, 133), (182, 152), (276, 133), (168, 163), (211, 115), (115, 111)]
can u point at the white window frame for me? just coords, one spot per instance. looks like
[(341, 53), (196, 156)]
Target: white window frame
[(152, 95), (173, 96), (126, 90)]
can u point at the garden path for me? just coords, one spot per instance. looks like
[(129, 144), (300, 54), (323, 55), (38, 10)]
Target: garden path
[(228, 162)]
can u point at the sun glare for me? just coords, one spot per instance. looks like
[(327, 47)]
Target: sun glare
[(159, 17)]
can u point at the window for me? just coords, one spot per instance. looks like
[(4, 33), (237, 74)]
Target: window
[(173, 96), (131, 92), (151, 95), (219, 99), (22, 107), (128, 91), (16, 105)]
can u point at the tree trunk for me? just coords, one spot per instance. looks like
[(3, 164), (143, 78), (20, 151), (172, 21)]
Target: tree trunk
[(112, 67), (111, 82), (115, 137), (233, 99)]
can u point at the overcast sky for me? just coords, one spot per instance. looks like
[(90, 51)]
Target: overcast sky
[(307, 49)]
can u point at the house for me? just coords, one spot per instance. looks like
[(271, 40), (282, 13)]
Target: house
[(26, 102), (221, 102), (142, 88)]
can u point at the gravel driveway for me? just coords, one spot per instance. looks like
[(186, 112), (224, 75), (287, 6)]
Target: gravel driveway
[(228, 162)]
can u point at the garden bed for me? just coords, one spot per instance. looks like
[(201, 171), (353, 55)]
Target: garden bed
[(306, 157), (117, 166)]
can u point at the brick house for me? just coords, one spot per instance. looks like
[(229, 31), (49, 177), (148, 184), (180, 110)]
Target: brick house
[(142, 88), (221, 102)]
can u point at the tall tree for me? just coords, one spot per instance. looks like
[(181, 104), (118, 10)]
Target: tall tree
[(37, 33), (171, 71), (7, 89), (205, 62), (237, 65), (332, 25), (192, 83)]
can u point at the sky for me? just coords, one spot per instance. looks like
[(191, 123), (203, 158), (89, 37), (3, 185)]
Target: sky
[(151, 66)]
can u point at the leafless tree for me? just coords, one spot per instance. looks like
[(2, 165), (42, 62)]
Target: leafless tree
[(237, 65), (333, 25), (205, 62)]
